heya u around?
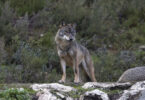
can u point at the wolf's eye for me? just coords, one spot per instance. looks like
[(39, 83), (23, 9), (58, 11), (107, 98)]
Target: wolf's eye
[(61, 33)]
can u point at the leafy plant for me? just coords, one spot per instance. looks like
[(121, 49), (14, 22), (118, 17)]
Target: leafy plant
[(15, 94)]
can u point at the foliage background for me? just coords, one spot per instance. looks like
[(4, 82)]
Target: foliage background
[(112, 30)]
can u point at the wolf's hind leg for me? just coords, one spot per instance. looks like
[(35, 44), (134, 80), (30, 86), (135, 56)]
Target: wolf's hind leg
[(85, 67), (63, 66), (92, 74)]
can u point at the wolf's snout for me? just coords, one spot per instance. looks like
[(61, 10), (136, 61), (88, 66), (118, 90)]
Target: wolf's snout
[(71, 39)]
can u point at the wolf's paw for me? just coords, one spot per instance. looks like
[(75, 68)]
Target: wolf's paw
[(77, 81), (61, 81)]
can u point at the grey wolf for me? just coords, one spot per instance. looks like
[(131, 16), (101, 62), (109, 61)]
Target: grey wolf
[(72, 53)]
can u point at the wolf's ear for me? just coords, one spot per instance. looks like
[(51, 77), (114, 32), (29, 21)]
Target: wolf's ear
[(74, 25), (62, 24)]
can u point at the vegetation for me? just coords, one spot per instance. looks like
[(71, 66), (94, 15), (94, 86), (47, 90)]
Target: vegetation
[(15, 94), (112, 30)]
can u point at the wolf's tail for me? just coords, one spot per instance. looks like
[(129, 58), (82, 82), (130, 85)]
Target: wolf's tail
[(89, 67)]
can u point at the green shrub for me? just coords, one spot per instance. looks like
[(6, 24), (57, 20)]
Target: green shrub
[(14, 94), (6, 19), (23, 6), (110, 66), (3, 53)]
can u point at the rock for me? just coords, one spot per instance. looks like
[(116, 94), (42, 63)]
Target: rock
[(133, 75), (142, 47), (134, 92), (106, 85), (142, 95), (114, 96), (90, 91), (94, 95), (46, 95), (53, 91), (52, 86)]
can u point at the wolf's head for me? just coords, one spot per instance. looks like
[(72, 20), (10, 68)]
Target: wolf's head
[(67, 32)]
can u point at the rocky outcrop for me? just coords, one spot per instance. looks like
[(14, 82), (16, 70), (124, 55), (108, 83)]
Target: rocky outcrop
[(53, 91), (91, 91), (135, 92)]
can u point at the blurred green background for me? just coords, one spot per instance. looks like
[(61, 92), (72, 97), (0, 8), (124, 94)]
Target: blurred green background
[(112, 30)]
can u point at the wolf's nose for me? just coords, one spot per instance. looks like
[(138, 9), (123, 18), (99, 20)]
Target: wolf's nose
[(71, 39)]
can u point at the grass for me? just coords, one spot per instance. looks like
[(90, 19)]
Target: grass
[(14, 85)]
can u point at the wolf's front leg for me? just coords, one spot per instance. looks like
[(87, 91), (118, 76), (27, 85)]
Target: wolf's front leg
[(63, 66), (76, 71)]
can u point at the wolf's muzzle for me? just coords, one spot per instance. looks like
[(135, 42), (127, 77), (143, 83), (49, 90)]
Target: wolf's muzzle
[(70, 39)]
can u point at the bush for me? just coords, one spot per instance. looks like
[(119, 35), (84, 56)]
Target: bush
[(6, 22), (109, 66), (27, 6), (15, 94), (3, 53), (22, 27)]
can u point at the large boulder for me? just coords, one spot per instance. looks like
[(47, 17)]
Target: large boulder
[(133, 75), (142, 47)]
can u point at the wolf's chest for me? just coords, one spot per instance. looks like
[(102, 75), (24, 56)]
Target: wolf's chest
[(67, 56), (69, 60)]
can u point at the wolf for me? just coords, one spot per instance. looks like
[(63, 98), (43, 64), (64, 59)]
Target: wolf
[(73, 54)]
